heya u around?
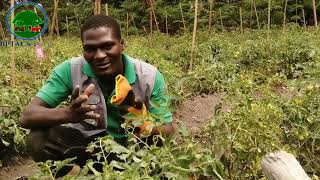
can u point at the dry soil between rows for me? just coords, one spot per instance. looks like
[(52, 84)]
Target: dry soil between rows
[(18, 167)]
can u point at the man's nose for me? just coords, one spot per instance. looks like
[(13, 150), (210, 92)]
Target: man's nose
[(100, 54)]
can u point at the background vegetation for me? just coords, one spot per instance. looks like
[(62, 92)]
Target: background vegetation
[(137, 14), (271, 85)]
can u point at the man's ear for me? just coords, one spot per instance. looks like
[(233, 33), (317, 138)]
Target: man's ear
[(123, 45)]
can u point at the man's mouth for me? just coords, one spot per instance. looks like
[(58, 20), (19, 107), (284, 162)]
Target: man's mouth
[(103, 65)]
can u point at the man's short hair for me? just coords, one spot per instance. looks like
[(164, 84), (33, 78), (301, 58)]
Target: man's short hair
[(97, 21)]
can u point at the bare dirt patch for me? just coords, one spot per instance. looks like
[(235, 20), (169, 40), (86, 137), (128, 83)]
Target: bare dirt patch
[(18, 168), (198, 111)]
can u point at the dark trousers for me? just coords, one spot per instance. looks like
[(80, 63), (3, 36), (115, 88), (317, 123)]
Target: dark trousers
[(61, 142)]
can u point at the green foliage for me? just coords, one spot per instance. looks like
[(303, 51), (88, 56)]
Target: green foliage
[(141, 161), (249, 132), (138, 12), (14, 99), (301, 125), (12, 102), (263, 121), (50, 169), (270, 86)]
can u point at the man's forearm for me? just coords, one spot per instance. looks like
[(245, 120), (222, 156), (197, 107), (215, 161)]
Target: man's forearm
[(42, 117)]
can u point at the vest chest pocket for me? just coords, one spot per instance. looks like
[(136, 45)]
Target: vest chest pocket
[(94, 99)]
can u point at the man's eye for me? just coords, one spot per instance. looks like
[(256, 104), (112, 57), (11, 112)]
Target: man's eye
[(108, 46), (89, 49)]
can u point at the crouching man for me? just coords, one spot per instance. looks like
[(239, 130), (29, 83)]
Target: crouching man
[(101, 83)]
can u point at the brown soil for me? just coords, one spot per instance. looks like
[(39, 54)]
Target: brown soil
[(196, 112), (18, 167), (283, 91)]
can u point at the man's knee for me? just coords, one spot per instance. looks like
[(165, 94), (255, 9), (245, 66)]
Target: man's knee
[(47, 144), (52, 143), (35, 144)]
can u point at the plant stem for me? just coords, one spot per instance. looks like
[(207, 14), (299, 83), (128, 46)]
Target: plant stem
[(194, 34), (139, 139), (255, 10), (127, 28), (304, 19), (165, 9), (148, 36), (67, 25), (269, 20), (102, 150), (251, 9), (183, 21), (154, 15), (240, 12), (107, 11), (221, 20), (210, 14), (285, 14), (13, 50), (314, 13)]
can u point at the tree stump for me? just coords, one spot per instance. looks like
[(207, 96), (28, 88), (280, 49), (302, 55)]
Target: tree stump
[(282, 166)]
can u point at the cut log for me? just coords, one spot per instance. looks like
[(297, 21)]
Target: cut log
[(282, 166)]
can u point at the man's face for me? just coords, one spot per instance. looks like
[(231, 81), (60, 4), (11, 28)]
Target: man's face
[(103, 51)]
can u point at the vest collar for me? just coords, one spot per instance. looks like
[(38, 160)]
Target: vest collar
[(129, 70)]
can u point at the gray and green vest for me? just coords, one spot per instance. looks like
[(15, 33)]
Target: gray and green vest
[(142, 88)]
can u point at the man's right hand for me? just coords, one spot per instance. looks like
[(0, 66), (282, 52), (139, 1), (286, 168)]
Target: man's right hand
[(78, 111)]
